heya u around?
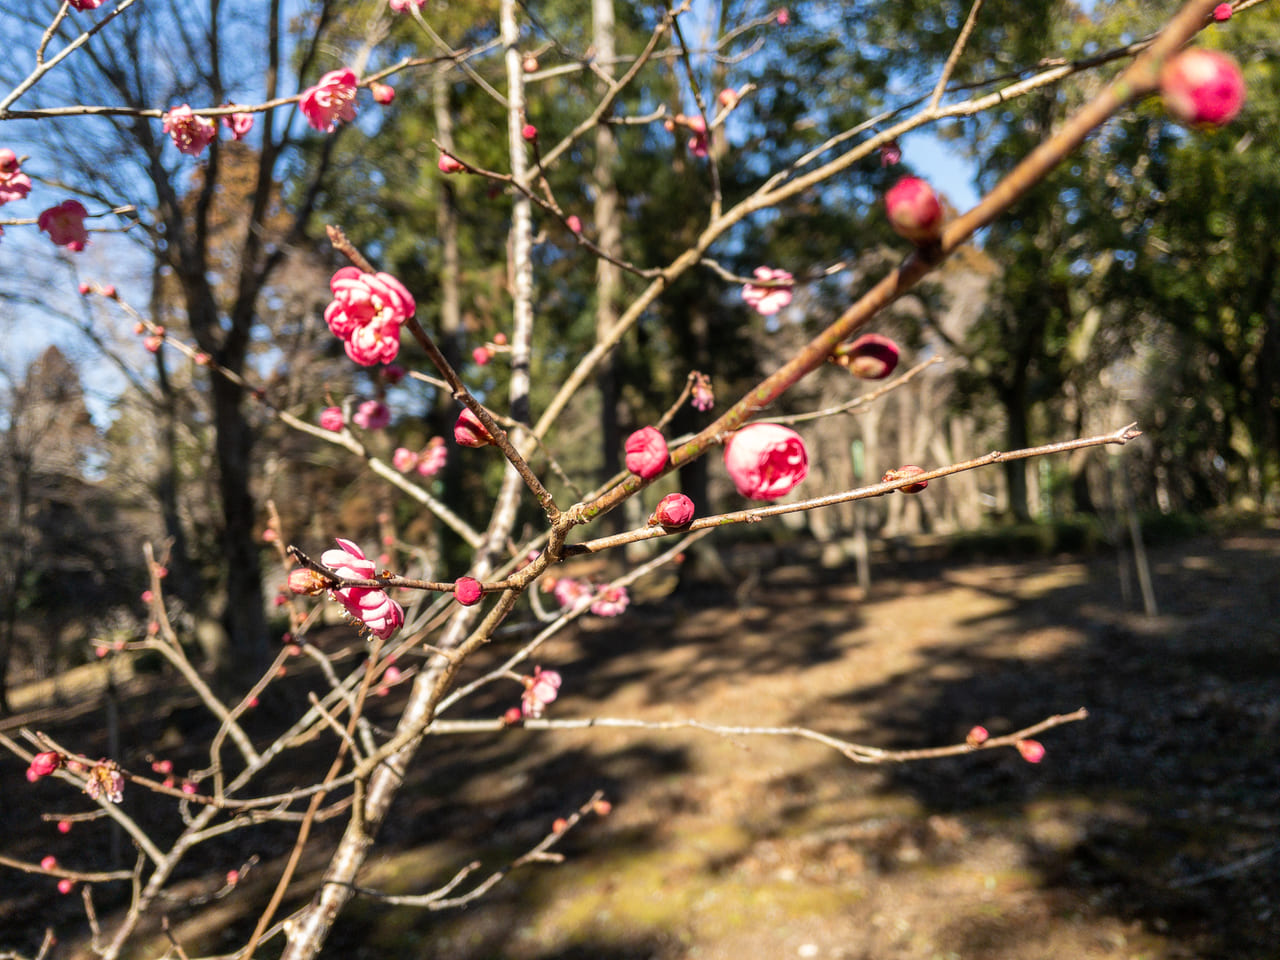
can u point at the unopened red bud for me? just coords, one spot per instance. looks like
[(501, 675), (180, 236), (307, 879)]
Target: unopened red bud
[(43, 764), (602, 808), (252, 702), (109, 291), (977, 736), (168, 782), (1222, 12), (468, 431), (559, 825), (64, 826), (481, 356), (914, 210), (153, 344), (500, 339), (306, 581), (66, 885), (675, 510), (448, 164), (647, 453), (139, 328), (268, 535), (467, 591), (530, 64), (1202, 87), (49, 863), (233, 877), (84, 289), (783, 17), (163, 766), (529, 132), (512, 716), (201, 359), (573, 223), (728, 98), (871, 356), (902, 473), (1032, 750), (382, 93)]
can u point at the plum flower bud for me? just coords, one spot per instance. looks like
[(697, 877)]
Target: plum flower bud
[(330, 100), (610, 601), (530, 64), (49, 863), (871, 356), (400, 6), (331, 419), (529, 132), (890, 154), (675, 510), (766, 460), (83, 5), (1222, 12), (393, 373), (190, 133), (768, 300), (467, 591), (64, 826), (372, 415), (468, 431), (539, 690), (65, 225), (404, 459), (646, 453), (977, 736), (43, 764), (448, 164), (1032, 750), (783, 16), (481, 356), (66, 884), (382, 93), (902, 473), (914, 210), (573, 223), (239, 124), (1202, 87), (306, 581), (728, 98)]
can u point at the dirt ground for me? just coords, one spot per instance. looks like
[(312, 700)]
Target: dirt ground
[(1148, 831)]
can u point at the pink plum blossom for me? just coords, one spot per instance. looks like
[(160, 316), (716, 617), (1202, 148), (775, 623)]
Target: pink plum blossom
[(768, 300), (331, 419), (468, 431), (65, 225), (400, 6), (698, 142), (366, 313), (105, 782), (330, 100), (539, 690), (191, 133), (703, 397), (371, 606), (610, 601), (1202, 87), (673, 510), (766, 460), (646, 453), (433, 457), (239, 124), (914, 210), (14, 184), (372, 415), (404, 459), (572, 593)]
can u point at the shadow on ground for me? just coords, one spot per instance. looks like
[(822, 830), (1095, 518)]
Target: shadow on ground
[(1147, 831)]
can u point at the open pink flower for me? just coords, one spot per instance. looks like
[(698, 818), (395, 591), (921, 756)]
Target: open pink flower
[(768, 300), (371, 606), (239, 124), (572, 593), (646, 453), (105, 782), (331, 100), (366, 314), (14, 184), (331, 419), (65, 225), (539, 690), (610, 601), (190, 133), (404, 459), (766, 460), (372, 415), (433, 457), (702, 397)]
